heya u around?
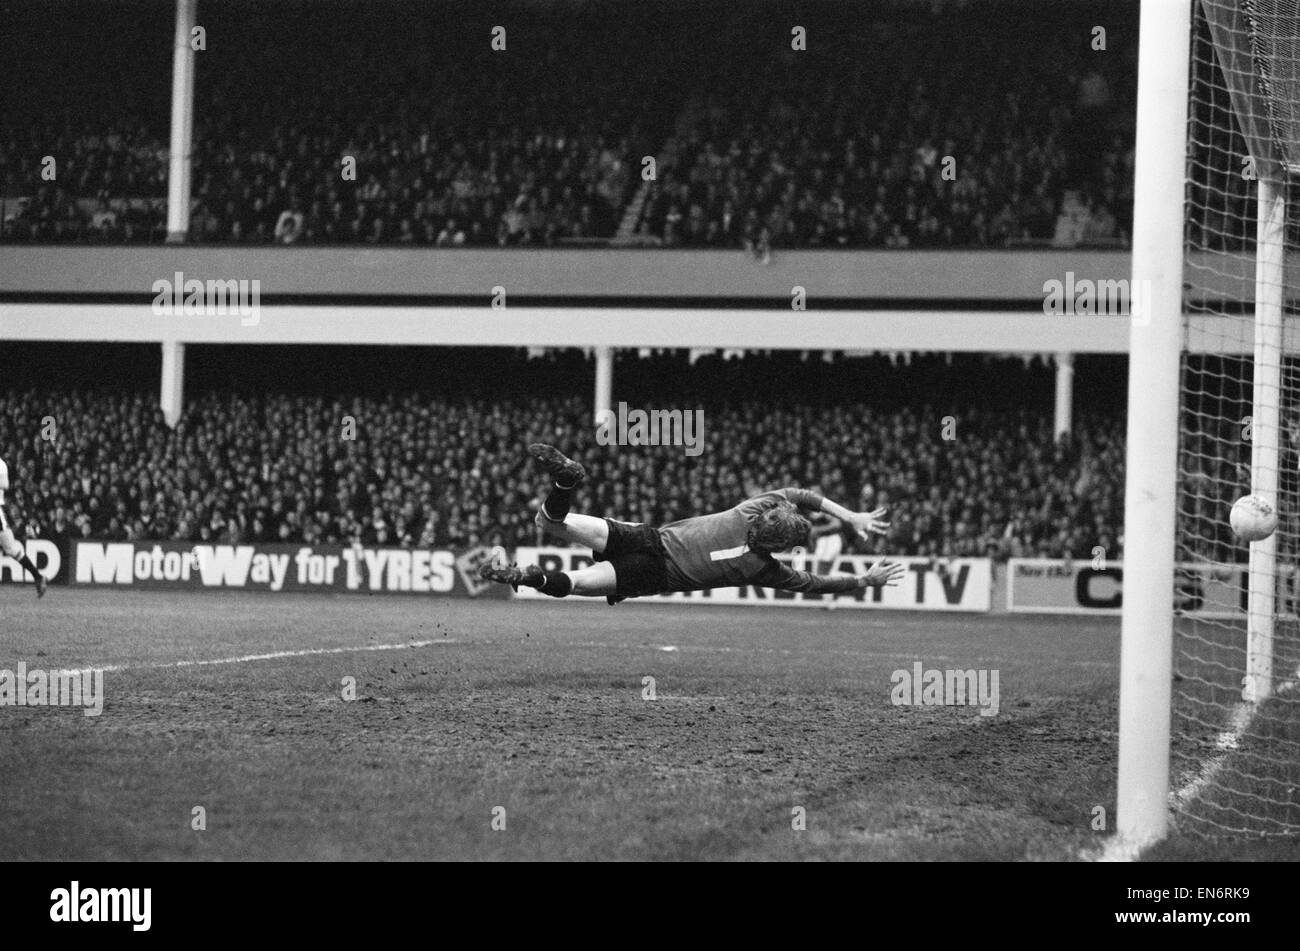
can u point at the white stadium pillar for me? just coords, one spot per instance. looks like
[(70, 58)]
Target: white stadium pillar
[(178, 164), (1064, 418), (172, 395), (604, 379)]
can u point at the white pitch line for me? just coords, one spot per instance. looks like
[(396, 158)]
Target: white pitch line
[(1242, 717), (247, 658), (746, 649), (1226, 741)]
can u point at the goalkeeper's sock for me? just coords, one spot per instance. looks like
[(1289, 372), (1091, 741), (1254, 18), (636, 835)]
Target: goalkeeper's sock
[(556, 506), (556, 584)]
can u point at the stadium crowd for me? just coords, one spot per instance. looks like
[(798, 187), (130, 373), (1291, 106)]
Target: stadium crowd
[(438, 143), (944, 136), (448, 471)]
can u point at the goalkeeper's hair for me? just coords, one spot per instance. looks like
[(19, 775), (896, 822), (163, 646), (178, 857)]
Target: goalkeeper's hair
[(778, 527)]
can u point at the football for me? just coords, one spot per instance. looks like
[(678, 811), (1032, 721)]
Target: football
[(1253, 518)]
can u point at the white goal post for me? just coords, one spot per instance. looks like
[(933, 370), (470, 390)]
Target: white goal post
[(1217, 118), (1151, 468)]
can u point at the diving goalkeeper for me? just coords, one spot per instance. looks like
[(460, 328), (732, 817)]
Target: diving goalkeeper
[(727, 549)]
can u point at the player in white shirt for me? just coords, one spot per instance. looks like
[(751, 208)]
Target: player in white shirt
[(827, 536), (8, 544), (828, 545)]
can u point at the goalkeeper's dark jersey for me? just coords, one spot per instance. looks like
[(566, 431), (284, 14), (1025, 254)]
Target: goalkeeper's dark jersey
[(709, 551)]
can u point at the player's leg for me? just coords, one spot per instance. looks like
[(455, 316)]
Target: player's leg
[(554, 517), (595, 581), (599, 580), (9, 546), (576, 530)]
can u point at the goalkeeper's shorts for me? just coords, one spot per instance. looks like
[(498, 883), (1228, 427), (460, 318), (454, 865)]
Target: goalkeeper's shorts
[(637, 554)]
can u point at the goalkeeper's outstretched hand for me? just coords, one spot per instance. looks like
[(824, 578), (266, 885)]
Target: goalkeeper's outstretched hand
[(868, 523), (883, 574)]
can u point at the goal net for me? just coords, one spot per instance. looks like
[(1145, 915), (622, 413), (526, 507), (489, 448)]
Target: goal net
[(1235, 729)]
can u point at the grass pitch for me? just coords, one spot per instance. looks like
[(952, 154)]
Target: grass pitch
[(535, 714)]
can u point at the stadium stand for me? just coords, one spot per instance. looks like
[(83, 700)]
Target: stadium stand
[(757, 147)]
